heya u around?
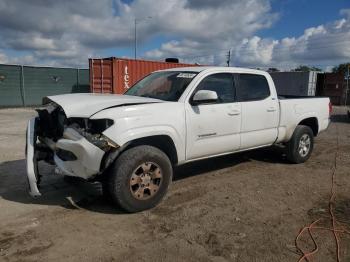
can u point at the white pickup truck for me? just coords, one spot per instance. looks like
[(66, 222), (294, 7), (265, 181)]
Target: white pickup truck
[(131, 142)]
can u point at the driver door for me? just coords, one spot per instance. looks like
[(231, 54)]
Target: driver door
[(214, 128)]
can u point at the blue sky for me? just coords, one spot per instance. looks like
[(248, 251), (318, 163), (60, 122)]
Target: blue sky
[(296, 15), (259, 33)]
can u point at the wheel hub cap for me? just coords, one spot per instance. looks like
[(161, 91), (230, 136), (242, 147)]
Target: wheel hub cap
[(146, 180), (304, 145)]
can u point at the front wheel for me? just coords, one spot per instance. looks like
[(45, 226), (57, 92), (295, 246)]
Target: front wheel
[(300, 146), (140, 178)]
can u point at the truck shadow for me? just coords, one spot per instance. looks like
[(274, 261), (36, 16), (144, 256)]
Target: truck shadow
[(78, 194), (270, 155), (340, 118), (75, 194)]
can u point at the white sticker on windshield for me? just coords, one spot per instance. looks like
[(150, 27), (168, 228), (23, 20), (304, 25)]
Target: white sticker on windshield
[(186, 75)]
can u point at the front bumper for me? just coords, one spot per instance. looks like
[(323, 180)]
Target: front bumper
[(88, 156), (31, 160), (87, 162)]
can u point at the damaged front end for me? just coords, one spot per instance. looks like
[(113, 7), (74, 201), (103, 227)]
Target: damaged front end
[(75, 145)]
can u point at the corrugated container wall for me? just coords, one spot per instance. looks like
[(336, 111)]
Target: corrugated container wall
[(116, 75), (333, 85), (27, 85), (11, 92), (295, 83)]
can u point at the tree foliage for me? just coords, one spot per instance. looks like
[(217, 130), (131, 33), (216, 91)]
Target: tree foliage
[(341, 68), (305, 68), (273, 69)]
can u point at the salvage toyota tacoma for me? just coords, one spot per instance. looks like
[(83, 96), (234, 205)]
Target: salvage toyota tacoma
[(131, 142)]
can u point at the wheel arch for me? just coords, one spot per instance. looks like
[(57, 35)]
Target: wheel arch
[(162, 142), (311, 122)]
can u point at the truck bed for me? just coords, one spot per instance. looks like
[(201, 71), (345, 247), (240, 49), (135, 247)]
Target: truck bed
[(283, 97), (294, 109)]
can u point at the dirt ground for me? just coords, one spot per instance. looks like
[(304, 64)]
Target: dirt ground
[(243, 207)]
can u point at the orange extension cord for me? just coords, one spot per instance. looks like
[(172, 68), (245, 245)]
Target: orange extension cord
[(306, 255)]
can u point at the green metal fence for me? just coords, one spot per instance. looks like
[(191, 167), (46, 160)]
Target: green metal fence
[(27, 85)]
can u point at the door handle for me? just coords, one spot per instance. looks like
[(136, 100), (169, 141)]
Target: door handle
[(234, 113), (271, 109)]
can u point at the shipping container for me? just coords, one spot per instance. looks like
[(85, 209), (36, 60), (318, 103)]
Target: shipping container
[(332, 85), (295, 83), (116, 75)]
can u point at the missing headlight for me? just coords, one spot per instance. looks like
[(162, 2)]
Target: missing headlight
[(92, 130), (92, 126), (99, 125)]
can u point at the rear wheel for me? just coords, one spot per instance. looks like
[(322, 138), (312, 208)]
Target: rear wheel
[(139, 179), (301, 144)]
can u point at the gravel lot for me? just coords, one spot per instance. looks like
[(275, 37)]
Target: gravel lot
[(243, 207)]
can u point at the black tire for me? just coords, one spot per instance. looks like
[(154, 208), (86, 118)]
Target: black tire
[(106, 194), (120, 174), (294, 152)]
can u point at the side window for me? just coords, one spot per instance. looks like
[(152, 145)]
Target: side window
[(222, 84), (252, 87)]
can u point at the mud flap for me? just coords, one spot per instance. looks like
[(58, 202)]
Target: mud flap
[(31, 159)]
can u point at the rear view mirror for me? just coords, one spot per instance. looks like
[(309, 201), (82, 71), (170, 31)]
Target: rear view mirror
[(204, 97)]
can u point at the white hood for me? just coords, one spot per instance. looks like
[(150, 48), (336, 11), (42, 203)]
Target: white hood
[(87, 104)]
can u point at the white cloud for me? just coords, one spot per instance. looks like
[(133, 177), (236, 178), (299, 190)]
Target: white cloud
[(3, 58), (207, 30), (51, 32), (58, 32), (63, 31), (24, 60), (322, 46), (255, 49), (33, 41)]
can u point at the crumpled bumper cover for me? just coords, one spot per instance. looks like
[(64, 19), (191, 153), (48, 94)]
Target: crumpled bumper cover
[(89, 156), (31, 162), (86, 165)]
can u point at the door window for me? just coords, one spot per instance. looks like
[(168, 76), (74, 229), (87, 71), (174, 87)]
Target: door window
[(222, 84), (252, 87)]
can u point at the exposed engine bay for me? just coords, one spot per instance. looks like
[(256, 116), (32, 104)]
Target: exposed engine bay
[(53, 123)]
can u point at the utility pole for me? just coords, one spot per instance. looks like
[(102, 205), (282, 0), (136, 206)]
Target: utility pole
[(347, 83), (135, 39), (136, 20), (228, 57)]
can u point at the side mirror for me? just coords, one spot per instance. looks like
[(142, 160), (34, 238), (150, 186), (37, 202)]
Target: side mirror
[(204, 97)]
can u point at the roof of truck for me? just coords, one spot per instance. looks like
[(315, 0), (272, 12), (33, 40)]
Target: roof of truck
[(216, 68)]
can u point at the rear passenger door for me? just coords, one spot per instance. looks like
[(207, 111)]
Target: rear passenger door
[(260, 111)]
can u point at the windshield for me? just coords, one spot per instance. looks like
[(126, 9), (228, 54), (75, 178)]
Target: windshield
[(168, 85)]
